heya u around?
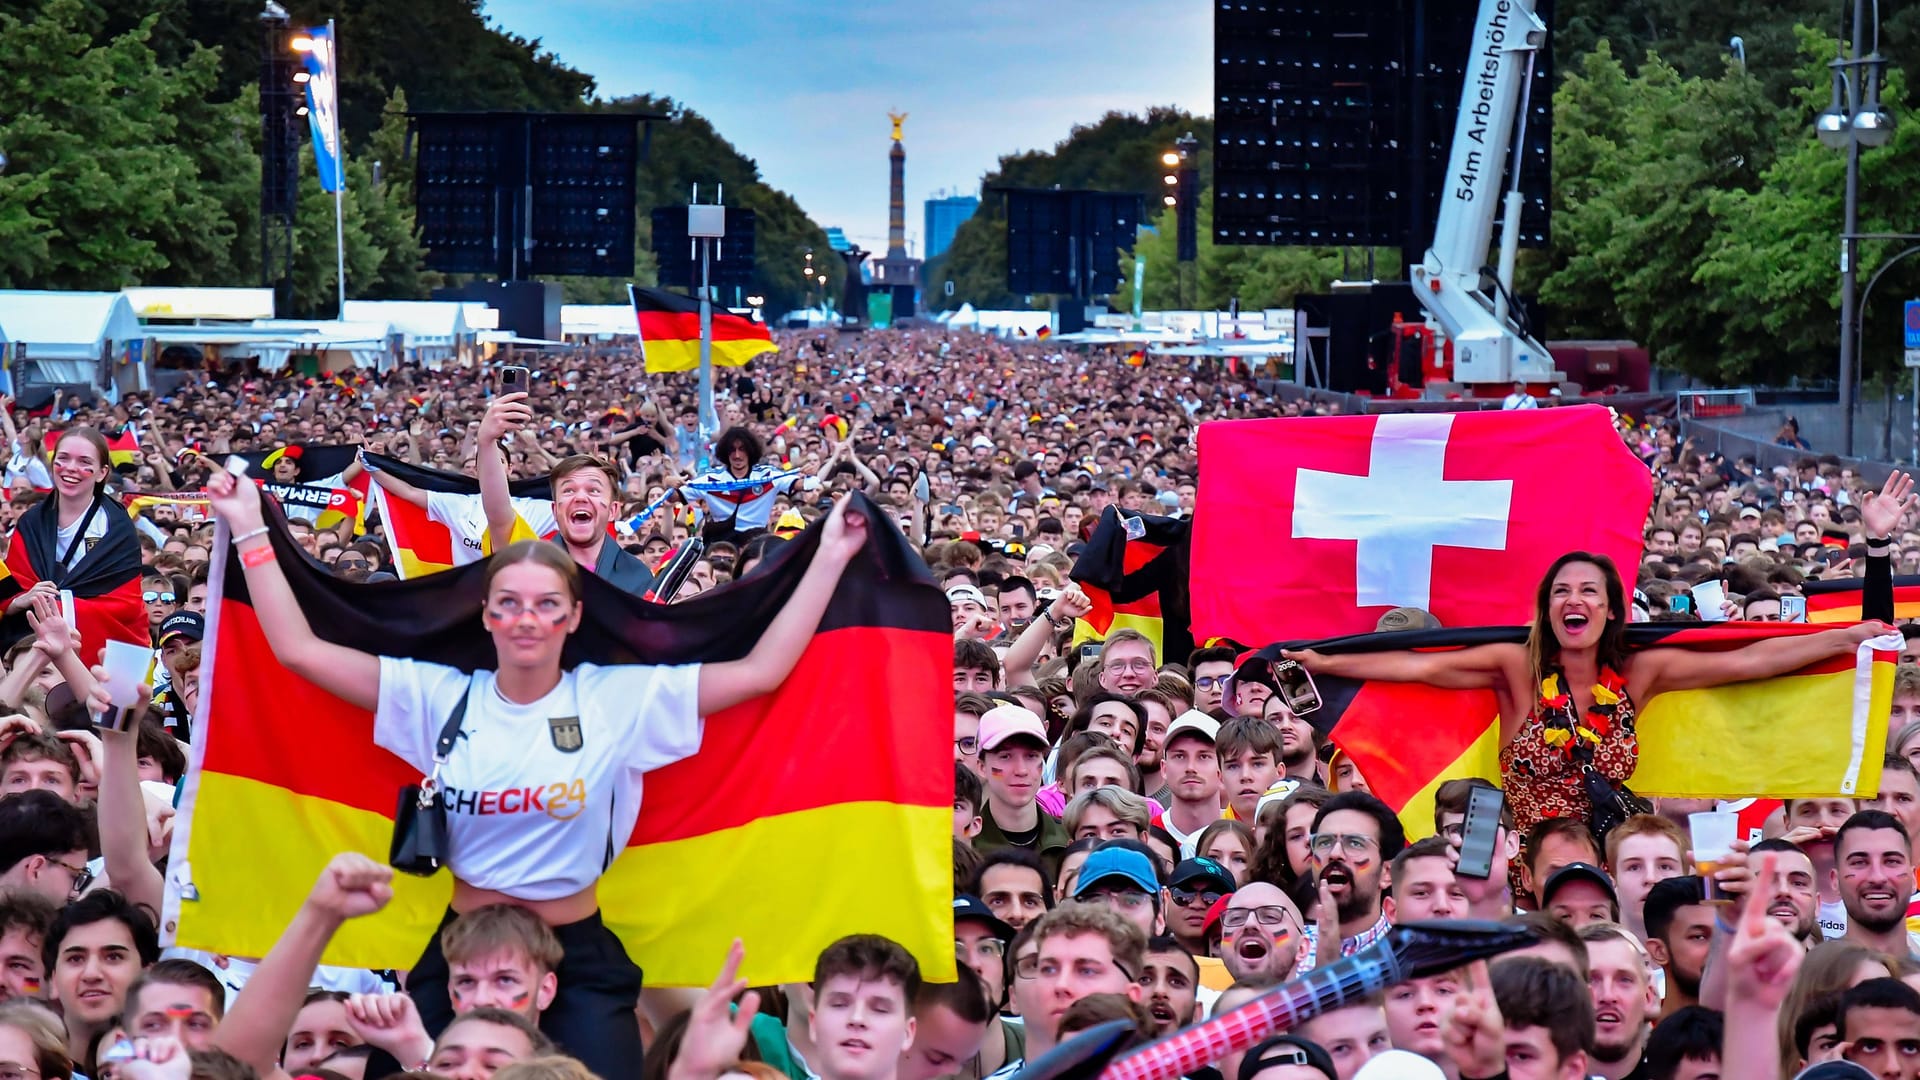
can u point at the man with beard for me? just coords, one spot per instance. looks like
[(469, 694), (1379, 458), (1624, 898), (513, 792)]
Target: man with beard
[(1262, 935), (1794, 903), (585, 489), (1623, 1001), (1679, 934), (1354, 837), (1171, 980), (1875, 868), (1160, 707), (1297, 758), (1811, 825)]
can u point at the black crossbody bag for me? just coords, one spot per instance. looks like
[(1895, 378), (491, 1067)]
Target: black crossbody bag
[(420, 840)]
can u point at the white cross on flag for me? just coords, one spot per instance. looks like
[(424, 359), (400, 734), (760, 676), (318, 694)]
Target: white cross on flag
[(1314, 527)]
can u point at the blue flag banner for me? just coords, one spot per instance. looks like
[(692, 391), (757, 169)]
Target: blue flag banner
[(323, 107)]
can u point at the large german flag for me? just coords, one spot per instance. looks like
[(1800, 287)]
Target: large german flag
[(1819, 732), (820, 810), (1838, 601), (670, 332), (1138, 581), (421, 545)]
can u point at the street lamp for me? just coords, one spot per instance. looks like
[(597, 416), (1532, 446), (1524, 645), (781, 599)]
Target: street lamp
[(1183, 195), (1854, 120)]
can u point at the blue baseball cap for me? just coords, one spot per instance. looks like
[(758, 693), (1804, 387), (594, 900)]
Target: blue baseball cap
[(1116, 862)]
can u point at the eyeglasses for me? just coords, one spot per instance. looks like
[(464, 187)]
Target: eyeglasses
[(163, 597), (1135, 664), (968, 745), (1031, 967), (82, 875), (1351, 843), (983, 947), (1185, 897), (1235, 918), (10, 1070), (1209, 682), (1122, 899)]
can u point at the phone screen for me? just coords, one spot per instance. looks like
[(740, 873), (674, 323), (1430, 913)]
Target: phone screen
[(1479, 832), (1296, 687)]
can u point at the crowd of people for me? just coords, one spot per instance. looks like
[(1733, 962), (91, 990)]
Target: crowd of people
[(1137, 837)]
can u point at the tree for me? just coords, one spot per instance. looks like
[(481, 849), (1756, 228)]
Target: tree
[(1258, 277)]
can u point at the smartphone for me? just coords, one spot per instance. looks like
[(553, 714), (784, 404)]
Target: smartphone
[(1704, 516), (1680, 603), (66, 609), (1019, 530), (922, 491), (1295, 685), (1786, 497), (1479, 833), (515, 379), (1793, 609), (1090, 651), (951, 508)]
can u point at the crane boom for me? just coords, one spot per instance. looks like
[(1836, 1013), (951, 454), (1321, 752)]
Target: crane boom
[(1488, 346)]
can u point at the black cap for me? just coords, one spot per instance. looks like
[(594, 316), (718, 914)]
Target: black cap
[(970, 907), (188, 624), (1579, 871), (1199, 870), (1286, 1050), (1834, 1070)]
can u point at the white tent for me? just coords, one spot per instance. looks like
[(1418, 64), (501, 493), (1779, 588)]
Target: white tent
[(200, 303), (361, 344), (432, 331), (592, 320), (67, 335)]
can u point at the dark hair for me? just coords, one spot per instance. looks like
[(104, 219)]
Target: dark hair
[(99, 906), (1453, 796), (488, 1014), (1013, 856), (1543, 648), (966, 786), (743, 437), (1536, 992), (1209, 654), (1666, 898), (40, 823), (1819, 1011), (1393, 836), (1547, 828), (541, 553), (1017, 583), (1877, 994), (580, 463), (1432, 847), (869, 956), (1869, 821), (755, 551), (1167, 943), (966, 864), (970, 702), (1082, 717), (154, 742), (26, 910), (972, 653), (966, 997), (1549, 930), (218, 1064), (175, 973), (39, 746), (1689, 1033), (1096, 1009)]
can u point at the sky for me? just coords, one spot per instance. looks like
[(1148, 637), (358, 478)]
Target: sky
[(804, 89)]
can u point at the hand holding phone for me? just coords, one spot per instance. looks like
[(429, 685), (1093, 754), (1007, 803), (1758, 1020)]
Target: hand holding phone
[(515, 379), (1793, 609)]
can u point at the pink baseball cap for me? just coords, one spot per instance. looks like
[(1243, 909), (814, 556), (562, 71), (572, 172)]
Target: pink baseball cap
[(1003, 722)]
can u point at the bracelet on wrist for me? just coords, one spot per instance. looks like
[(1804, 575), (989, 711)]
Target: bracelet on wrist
[(249, 534)]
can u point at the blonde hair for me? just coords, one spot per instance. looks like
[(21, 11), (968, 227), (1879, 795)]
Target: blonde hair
[(1123, 804), (47, 1034), (548, 1067)]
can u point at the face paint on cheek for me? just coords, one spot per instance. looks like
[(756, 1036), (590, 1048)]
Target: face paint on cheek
[(458, 997), (30, 986), (561, 619), (1361, 863), (1281, 939), (520, 999), (498, 619)]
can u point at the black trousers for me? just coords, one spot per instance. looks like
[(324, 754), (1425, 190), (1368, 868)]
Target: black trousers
[(592, 1017)]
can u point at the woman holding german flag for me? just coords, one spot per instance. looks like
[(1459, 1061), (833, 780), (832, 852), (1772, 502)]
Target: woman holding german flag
[(539, 766), (1567, 694), (81, 541)]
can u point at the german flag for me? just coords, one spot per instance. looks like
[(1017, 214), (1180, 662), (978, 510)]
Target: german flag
[(820, 810), (1137, 358), (421, 545), (1043, 333), (1138, 580), (319, 462), (670, 332), (123, 447), (1839, 600), (1816, 733)]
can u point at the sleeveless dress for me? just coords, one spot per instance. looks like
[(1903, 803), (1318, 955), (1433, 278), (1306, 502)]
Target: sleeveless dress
[(1541, 768)]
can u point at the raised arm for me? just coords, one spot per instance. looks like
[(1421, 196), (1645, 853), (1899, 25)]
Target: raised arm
[(1657, 671), (1881, 516), (398, 488), (349, 674), (255, 1028), (1071, 604), (505, 416), (123, 806), (731, 682), (1480, 667)]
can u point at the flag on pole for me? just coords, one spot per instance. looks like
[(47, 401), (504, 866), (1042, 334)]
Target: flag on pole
[(819, 810), (1137, 358), (670, 332), (1815, 733), (1134, 569), (1457, 514)]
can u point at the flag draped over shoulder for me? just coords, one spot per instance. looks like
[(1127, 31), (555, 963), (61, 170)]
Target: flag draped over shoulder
[(1818, 732), (1839, 600), (670, 332), (820, 810), (105, 582), (1137, 581), (421, 545)]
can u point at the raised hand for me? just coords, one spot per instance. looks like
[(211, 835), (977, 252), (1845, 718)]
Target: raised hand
[(352, 885), (716, 1033), (1072, 603), (1764, 955), (50, 630), (1476, 1035), (234, 501), (845, 533), (390, 1022), (1883, 513)]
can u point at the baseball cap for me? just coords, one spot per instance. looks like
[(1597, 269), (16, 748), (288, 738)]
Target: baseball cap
[(960, 594), (1407, 618), (1834, 1070), (1201, 870), (188, 624), (1003, 722), (1195, 721), (1749, 511), (1578, 871), (966, 906), (1115, 862), (1286, 1050), (1401, 1064)]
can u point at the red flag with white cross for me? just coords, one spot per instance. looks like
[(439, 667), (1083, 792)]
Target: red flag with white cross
[(1311, 527)]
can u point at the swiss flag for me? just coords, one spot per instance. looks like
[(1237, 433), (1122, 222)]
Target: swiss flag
[(1313, 527)]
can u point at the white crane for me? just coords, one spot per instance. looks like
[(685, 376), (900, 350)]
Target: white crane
[(1489, 347)]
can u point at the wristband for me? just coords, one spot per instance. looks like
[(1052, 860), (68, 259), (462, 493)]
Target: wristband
[(259, 556), (1720, 924), (250, 534)]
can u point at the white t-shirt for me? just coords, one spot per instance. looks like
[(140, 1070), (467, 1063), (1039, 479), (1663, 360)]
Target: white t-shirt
[(466, 519), (526, 817), (27, 470), (96, 531)]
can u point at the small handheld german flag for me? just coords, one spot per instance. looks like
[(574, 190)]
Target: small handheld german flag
[(1137, 358), (1043, 333)]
